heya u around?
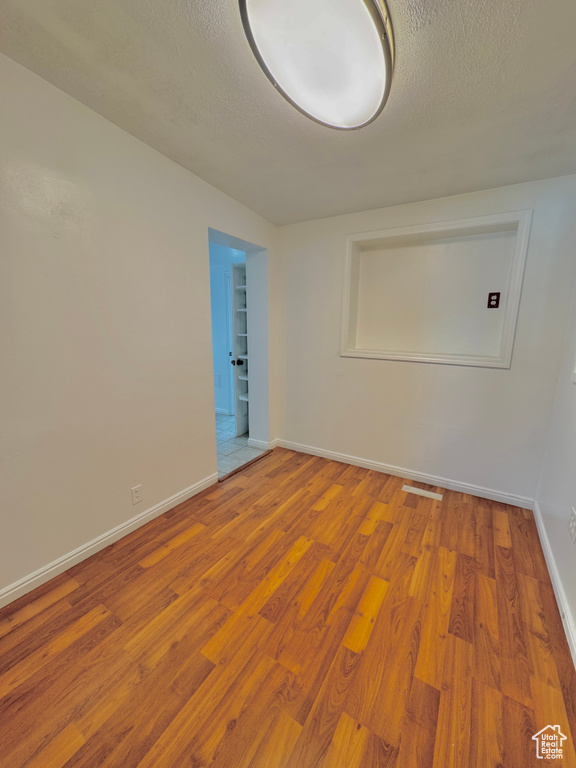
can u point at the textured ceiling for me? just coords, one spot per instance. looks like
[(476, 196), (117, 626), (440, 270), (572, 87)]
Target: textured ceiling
[(484, 94)]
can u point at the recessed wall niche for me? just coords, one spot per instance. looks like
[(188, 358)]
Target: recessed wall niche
[(421, 293)]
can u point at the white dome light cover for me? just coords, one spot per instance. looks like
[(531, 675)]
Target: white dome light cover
[(331, 59)]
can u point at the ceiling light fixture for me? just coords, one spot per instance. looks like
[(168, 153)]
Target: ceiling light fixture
[(331, 59)]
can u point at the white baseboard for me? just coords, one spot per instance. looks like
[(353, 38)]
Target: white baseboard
[(442, 482), (561, 599), (42, 575), (262, 445)]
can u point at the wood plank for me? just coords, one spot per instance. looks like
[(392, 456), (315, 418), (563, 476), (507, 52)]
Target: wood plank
[(518, 727), (160, 636), (458, 523), (200, 572), (526, 544), (248, 572), (317, 633), (486, 732), (380, 692), (453, 735), (122, 555), (245, 622), (343, 587), (28, 636), (384, 487), (381, 512), (170, 546), (41, 709), (484, 546), (433, 531), (59, 751), (40, 657), (417, 523), (320, 726), (501, 528), (348, 744), (380, 754), (11, 610), (131, 593), (516, 668), (433, 642), (36, 607), (279, 602), (203, 722), (250, 734), (539, 643), (393, 548), (419, 726), (291, 620), (365, 615), (354, 529), (487, 664), (461, 622), (277, 744), (116, 741), (375, 544), (315, 665), (423, 570), (329, 495)]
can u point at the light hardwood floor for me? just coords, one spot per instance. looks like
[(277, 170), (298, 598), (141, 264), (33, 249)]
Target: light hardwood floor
[(302, 613)]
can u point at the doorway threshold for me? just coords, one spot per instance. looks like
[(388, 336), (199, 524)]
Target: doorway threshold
[(243, 466)]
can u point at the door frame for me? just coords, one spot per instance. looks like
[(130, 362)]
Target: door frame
[(257, 280)]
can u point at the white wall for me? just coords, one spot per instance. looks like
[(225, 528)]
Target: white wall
[(260, 337), (105, 337), (556, 494), (475, 426)]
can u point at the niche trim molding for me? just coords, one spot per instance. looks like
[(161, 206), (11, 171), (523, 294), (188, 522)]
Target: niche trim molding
[(518, 222)]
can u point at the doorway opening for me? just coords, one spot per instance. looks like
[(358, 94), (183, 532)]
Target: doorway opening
[(239, 355)]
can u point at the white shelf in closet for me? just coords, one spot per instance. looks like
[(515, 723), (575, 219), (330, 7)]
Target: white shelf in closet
[(240, 347)]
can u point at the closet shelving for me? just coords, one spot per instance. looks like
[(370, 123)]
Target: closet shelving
[(241, 340)]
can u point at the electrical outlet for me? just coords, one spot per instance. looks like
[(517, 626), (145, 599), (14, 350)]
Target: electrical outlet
[(137, 494), (494, 300), (572, 525)]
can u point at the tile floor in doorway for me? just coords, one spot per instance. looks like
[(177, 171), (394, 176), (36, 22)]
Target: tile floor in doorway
[(233, 451)]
